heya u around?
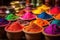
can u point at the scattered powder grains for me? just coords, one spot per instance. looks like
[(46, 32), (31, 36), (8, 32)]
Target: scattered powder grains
[(15, 27), (52, 29)]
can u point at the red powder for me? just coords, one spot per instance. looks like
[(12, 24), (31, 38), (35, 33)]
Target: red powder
[(15, 26), (55, 10)]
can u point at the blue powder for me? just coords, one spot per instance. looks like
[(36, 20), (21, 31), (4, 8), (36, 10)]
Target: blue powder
[(44, 15), (57, 22), (3, 21)]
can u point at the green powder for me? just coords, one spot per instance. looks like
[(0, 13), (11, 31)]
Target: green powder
[(11, 17)]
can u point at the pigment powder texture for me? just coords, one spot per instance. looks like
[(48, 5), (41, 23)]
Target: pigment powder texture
[(40, 9), (55, 10), (57, 16), (11, 17), (44, 15), (28, 16), (33, 28), (15, 26), (52, 29), (57, 22), (41, 22), (3, 21)]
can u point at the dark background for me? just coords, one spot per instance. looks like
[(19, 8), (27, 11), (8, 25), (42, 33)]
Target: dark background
[(6, 2)]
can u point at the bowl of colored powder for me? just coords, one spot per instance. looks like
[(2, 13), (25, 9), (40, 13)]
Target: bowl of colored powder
[(41, 22), (32, 28), (14, 31), (14, 27), (52, 32), (11, 17), (45, 16), (33, 32)]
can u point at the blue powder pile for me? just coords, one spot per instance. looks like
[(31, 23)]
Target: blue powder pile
[(44, 15), (57, 22), (3, 21)]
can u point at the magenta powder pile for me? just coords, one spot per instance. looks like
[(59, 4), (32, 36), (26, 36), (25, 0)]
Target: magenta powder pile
[(52, 29), (55, 10)]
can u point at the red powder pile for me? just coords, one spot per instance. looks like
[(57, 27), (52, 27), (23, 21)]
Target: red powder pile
[(15, 27), (55, 10)]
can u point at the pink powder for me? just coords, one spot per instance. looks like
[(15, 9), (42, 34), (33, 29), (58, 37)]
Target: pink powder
[(28, 16), (52, 29)]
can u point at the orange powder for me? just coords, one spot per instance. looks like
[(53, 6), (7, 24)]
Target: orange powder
[(33, 28), (41, 22), (57, 16)]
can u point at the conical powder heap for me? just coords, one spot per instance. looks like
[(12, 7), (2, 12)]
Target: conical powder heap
[(40, 9), (44, 15), (15, 26), (33, 28), (11, 17), (55, 10), (28, 16), (41, 23)]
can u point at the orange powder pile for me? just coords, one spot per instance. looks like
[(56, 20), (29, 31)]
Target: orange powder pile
[(33, 28), (15, 27), (57, 16), (41, 22)]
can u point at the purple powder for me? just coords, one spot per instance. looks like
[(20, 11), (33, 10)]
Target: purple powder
[(52, 29)]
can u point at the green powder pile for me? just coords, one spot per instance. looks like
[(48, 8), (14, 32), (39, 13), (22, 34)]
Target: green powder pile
[(11, 17)]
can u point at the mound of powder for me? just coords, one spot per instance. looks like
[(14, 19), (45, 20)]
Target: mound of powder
[(57, 22), (55, 10), (41, 22), (44, 15), (33, 28), (28, 16), (52, 29), (3, 21), (11, 17), (15, 26)]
